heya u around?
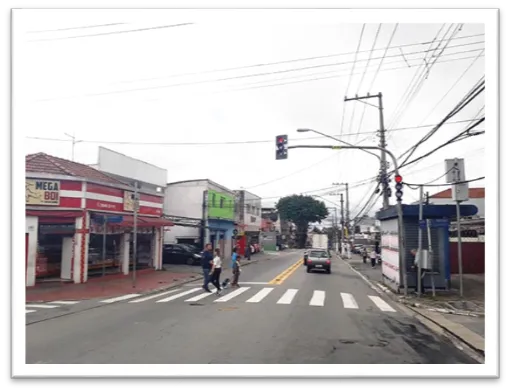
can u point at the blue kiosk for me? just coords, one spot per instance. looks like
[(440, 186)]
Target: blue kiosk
[(440, 217)]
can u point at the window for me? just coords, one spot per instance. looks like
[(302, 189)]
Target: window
[(318, 254), (213, 200), (222, 202)]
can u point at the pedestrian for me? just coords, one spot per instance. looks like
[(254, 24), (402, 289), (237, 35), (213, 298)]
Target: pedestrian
[(373, 256), (247, 252), (236, 270), (216, 271), (364, 253), (207, 259)]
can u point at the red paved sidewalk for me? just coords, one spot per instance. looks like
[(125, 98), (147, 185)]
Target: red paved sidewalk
[(108, 286)]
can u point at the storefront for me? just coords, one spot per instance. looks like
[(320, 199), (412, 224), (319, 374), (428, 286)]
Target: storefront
[(63, 238)]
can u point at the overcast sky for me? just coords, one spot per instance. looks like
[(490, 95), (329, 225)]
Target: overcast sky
[(125, 90)]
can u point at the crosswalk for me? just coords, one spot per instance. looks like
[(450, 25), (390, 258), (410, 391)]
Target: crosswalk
[(255, 295), (34, 307)]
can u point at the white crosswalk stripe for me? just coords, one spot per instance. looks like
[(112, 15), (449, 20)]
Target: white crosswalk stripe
[(201, 296), (64, 302), (233, 294), (318, 298), (260, 295), (349, 301), (381, 304), (30, 311), (143, 299), (121, 298), (287, 297), (41, 306), (180, 295)]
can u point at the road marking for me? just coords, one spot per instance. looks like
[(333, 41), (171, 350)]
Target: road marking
[(152, 296), (318, 298), (260, 295), (285, 274), (201, 284), (381, 304), (122, 298), (349, 301), (233, 294), (64, 302), (30, 311), (41, 306), (179, 295), (201, 296), (287, 297)]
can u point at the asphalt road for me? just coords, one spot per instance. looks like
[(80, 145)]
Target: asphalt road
[(299, 318)]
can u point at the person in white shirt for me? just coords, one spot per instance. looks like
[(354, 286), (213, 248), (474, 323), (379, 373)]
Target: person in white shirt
[(216, 271), (373, 257)]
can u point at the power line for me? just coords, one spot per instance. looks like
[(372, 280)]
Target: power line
[(285, 61), (434, 185), (75, 28), (113, 32), (248, 75), (230, 142)]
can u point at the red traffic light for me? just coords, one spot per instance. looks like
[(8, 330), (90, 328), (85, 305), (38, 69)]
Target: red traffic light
[(280, 140), (398, 178)]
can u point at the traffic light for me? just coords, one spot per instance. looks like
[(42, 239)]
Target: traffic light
[(398, 188), (281, 147)]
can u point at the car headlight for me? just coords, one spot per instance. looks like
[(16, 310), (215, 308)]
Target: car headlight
[(198, 256)]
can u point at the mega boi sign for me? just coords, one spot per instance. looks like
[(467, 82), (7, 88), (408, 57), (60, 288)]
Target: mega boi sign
[(42, 192)]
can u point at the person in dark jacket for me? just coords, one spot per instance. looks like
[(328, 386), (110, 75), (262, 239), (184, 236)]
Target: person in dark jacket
[(247, 252), (207, 258)]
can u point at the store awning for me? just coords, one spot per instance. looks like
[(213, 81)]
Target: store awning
[(143, 221), (54, 213)]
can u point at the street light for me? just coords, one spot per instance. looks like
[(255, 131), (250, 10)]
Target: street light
[(399, 201)]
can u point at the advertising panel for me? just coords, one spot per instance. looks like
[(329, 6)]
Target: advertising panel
[(390, 257), (42, 192)]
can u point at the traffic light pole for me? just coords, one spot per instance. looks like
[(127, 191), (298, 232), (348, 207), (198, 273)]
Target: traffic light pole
[(400, 213)]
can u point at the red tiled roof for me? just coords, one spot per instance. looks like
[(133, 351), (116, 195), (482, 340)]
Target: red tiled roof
[(47, 164), (474, 193)]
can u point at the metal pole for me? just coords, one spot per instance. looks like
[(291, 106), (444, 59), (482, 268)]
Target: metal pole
[(431, 255), (342, 224), (382, 141), (335, 226), (459, 250), (135, 231), (347, 217), (420, 241), (104, 245)]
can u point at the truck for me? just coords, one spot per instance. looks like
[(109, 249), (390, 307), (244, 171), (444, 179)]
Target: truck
[(320, 241)]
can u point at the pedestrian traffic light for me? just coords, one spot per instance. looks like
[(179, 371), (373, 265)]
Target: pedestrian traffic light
[(398, 188), (281, 147)]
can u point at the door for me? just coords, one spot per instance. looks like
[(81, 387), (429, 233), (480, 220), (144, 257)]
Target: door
[(67, 258)]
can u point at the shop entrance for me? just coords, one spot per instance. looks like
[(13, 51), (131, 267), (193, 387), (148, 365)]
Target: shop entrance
[(54, 249), (111, 263)]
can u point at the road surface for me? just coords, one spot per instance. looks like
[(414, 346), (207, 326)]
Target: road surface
[(281, 314)]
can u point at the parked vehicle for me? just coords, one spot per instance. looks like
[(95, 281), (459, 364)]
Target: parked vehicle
[(180, 254), (318, 259)]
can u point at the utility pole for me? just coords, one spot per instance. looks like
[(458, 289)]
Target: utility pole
[(135, 229), (383, 171)]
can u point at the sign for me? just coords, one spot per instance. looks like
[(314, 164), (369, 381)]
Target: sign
[(109, 219), (42, 192), (129, 203)]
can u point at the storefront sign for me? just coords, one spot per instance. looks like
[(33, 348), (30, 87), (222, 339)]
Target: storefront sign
[(56, 229), (42, 192), (128, 201)]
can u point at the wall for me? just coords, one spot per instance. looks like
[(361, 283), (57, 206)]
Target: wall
[(220, 205), (473, 258), (31, 227), (252, 218), (184, 199)]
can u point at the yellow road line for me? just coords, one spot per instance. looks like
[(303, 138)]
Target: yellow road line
[(285, 274)]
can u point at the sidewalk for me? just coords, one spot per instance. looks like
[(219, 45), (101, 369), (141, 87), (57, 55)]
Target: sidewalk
[(116, 285), (464, 318)]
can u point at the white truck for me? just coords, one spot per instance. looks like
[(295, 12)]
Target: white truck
[(320, 241)]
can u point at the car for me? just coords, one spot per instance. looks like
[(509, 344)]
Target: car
[(180, 254), (318, 259)]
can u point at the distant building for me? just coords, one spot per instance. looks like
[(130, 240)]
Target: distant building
[(476, 197)]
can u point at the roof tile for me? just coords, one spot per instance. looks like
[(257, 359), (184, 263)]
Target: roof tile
[(474, 193), (47, 164)]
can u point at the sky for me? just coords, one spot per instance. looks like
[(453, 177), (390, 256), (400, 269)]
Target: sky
[(175, 88)]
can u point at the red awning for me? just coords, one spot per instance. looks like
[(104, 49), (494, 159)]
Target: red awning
[(54, 213), (143, 221)]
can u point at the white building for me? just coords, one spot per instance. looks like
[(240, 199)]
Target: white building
[(203, 211)]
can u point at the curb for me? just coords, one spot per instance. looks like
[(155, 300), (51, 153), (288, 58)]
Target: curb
[(468, 341)]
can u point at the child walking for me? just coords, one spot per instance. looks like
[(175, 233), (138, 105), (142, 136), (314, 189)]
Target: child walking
[(236, 270)]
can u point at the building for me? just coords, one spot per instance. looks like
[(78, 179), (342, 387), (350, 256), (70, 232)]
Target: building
[(248, 218), (66, 205), (206, 210)]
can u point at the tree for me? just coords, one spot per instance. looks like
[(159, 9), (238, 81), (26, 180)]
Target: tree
[(301, 210)]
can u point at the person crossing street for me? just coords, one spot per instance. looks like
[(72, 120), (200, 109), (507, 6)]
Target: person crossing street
[(207, 259), (216, 271)]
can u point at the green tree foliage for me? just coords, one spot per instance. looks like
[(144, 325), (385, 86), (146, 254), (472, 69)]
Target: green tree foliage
[(301, 210)]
